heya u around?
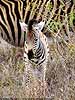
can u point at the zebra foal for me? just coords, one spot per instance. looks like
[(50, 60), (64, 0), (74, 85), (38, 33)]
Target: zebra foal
[(37, 47)]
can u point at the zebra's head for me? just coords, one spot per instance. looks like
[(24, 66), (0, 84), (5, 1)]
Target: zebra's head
[(33, 30)]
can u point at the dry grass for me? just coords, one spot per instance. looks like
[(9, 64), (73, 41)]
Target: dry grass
[(17, 81)]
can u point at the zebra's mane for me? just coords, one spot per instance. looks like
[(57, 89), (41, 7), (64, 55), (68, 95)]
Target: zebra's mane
[(30, 23)]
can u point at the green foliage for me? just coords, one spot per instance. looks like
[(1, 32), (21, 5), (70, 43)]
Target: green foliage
[(49, 6), (71, 18), (53, 25)]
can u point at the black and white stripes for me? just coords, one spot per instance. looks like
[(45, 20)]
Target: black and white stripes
[(39, 55), (10, 15)]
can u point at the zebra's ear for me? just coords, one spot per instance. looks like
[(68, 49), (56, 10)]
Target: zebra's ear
[(23, 26), (41, 25)]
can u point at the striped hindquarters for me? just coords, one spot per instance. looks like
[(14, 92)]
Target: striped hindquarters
[(11, 14), (44, 46), (41, 54)]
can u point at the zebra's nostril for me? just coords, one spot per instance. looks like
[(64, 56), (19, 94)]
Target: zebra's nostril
[(30, 54)]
